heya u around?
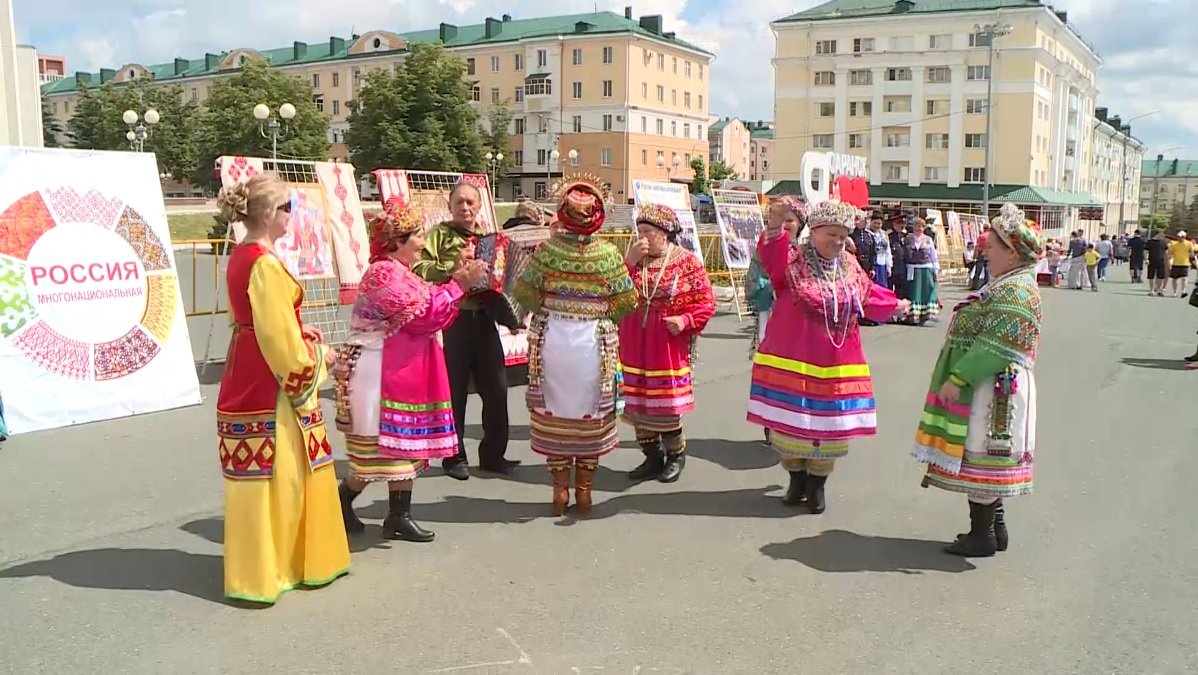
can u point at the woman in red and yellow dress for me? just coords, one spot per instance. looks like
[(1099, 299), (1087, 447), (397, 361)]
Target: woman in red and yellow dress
[(283, 525), (657, 340)]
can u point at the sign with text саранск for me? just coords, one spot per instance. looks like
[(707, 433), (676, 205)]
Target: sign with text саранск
[(828, 174)]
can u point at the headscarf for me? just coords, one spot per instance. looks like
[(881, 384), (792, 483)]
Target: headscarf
[(839, 214), (663, 218), (1018, 233), (580, 209), (395, 221), (791, 203)]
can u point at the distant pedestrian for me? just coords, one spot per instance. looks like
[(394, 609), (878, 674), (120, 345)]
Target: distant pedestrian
[(1106, 251), (1077, 260), (1135, 257), (1155, 249), (1093, 265)]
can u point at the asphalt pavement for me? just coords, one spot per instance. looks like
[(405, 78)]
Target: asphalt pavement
[(110, 554)]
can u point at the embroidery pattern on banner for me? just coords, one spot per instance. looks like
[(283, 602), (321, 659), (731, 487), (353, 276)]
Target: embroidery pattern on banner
[(16, 310), (346, 219), (124, 355), (22, 224), (92, 207), (54, 352), (161, 294), (143, 240)]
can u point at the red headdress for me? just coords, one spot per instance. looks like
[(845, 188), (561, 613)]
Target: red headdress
[(580, 207), (394, 221)]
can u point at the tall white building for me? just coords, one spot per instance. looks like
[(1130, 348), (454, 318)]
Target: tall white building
[(20, 109)]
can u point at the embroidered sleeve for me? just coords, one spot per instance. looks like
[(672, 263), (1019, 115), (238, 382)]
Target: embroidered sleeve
[(1008, 333), (696, 298), (439, 257), (624, 298), (389, 297), (881, 303), (529, 289), (439, 311), (774, 254), (935, 258), (297, 363)]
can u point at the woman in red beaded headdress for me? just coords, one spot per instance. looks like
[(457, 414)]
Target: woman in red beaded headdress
[(658, 339), (393, 399)]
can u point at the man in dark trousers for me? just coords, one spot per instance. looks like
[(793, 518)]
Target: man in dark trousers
[(472, 346), (1135, 257), (866, 250)]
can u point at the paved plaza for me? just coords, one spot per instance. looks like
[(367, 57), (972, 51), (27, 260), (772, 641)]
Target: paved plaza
[(110, 557)]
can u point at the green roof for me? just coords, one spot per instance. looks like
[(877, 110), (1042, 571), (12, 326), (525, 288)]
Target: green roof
[(718, 125), (1020, 195), (762, 133), (1169, 167), (855, 9), (337, 49)]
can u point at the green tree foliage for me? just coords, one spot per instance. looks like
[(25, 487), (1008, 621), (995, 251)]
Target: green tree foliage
[(418, 117), (1153, 224), (97, 125), (699, 186), (228, 126), (1191, 220), (51, 129), (719, 170), (1177, 219), (495, 140)]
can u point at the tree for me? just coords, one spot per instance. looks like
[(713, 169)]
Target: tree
[(227, 125), (418, 117), (97, 124), (1177, 219), (1191, 221), (699, 184), (1153, 224), (719, 170), (51, 129), (495, 139)]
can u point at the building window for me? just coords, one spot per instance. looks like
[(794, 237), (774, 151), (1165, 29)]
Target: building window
[(357, 77), (937, 142), (577, 90), (975, 106), (608, 55), (542, 58), (686, 130), (576, 159), (661, 62), (979, 40), (825, 109), (577, 124), (645, 90), (607, 89), (686, 100), (519, 60), (979, 73), (319, 101), (674, 129), (538, 87), (576, 57), (644, 157), (898, 74), (194, 95), (469, 67), (861, 108), (494, 94), (825, 78), (861, 77), (939, 75), (935, 174), (519, 122), (937, 106), (975, 174), (316, 80), (975, 140), (519, 158), (336, 107), (863, 45), (675, 65), (825, 47), (822, 141), (494, 64), (519, 94), (896, 172), (661, 127), (700, 71), (539, 192), (700, 102), (673, 97), (661, 93), (541, 157), (940, 42), (858, 141), (605, 156), (687, 69), (607, 122), (644, 124), (898, 139), (699, 133), (336, 79), (899, 105), (542, 124), (902, 44)]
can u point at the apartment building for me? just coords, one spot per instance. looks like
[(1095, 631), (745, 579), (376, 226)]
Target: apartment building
[(729, 139), (906, 85), (51, 68), (1166, 184), (761, 150), (614, 95), (1115, 174)]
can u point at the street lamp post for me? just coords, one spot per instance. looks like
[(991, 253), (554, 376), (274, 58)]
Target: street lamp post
[(992, 31), (494, 161), (1123, 164), (671, 168), (271, 128), (141, 127), (554, 156)]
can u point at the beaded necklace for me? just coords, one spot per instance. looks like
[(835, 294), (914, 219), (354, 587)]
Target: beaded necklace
[(832, 280), (648, 293)]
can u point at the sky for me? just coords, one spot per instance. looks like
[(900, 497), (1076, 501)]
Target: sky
[(1150, 57)]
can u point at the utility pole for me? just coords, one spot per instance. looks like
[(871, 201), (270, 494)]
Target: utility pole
[(992, 32), (1156, 179)]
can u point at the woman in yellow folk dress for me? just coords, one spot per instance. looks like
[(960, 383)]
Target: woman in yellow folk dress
[(283, 524)]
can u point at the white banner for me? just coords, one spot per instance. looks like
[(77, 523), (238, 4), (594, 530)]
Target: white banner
[(677, 197), (91, 318), (739, 216)]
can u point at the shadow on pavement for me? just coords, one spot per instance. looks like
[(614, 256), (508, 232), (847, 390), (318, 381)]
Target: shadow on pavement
[(606, 479), (1154, 364), (842, 551), (211, 372), (213, 530), (516, 432), (131, 569), (749, 503), (732, 455)]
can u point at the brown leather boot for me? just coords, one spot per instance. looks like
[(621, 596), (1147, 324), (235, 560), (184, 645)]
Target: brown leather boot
[(561, 491), (583, 474)]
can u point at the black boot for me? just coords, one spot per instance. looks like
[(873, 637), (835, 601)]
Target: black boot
[(1001, 539), (352, 524), (655, 462), (980, 542), (1192, 358), (796, 494), (399, 523), (672, 470), (814, 489)]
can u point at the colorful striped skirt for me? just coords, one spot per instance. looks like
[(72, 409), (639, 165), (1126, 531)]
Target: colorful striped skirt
[(811, 411), (924, 296)]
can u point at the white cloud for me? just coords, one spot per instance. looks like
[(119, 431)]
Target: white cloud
[(1148, 50)]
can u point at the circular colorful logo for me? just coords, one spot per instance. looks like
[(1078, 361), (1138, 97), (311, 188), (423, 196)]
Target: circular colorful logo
[(87, 290)]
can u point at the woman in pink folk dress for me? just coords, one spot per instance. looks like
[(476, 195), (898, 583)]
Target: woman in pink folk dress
[(811, 386), (657, 340), (393, 401)]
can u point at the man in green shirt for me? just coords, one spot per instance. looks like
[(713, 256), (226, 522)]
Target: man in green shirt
[(472, 346)]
